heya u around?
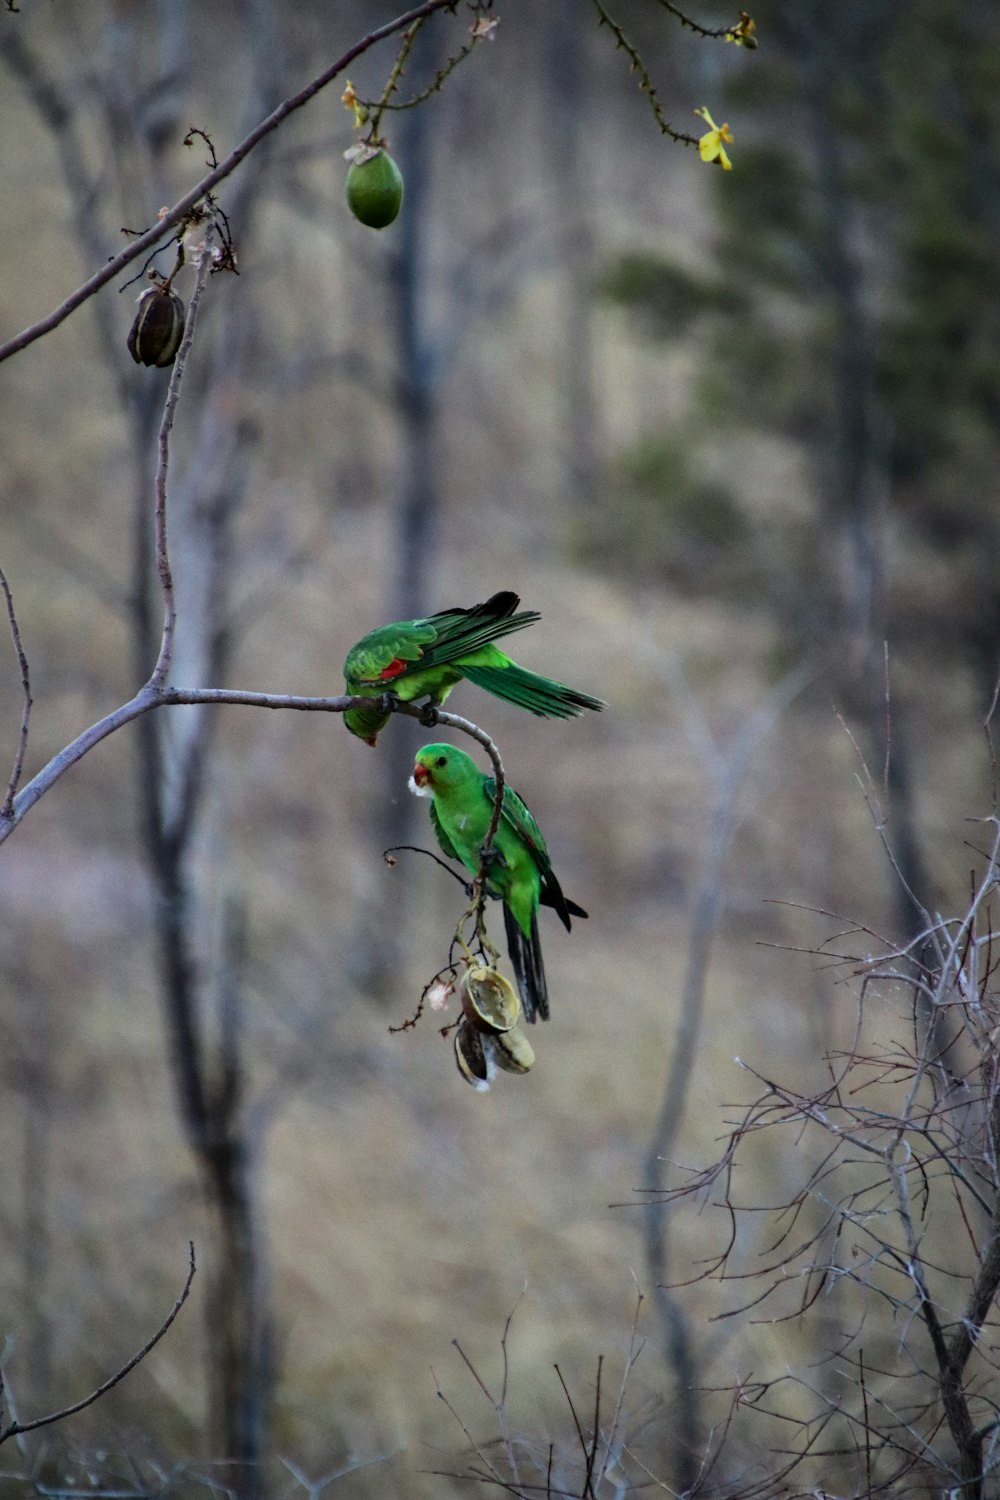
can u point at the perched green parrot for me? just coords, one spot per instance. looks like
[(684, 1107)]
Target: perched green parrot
[(425, 658), (520, 873)]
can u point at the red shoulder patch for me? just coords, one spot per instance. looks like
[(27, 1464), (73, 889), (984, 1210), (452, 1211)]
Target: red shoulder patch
[(395, 667)]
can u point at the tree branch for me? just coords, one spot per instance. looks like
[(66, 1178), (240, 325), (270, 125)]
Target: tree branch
[(150, 697), (162, 669), (15, 1428), (182, 208), (22, 744)]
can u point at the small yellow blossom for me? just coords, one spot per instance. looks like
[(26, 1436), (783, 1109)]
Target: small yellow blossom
[(743, 32), (710, 144), (350, 100)]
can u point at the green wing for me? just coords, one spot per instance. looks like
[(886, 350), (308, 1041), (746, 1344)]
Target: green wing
[(447, 847), (397, 651), (402, 642), (519, 817)]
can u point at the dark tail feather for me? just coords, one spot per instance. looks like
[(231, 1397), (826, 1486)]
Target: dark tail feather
[(529, 970), (539, 695), (563, 905), (462, 631)]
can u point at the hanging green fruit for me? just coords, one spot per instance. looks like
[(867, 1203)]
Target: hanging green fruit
[(374, 187)]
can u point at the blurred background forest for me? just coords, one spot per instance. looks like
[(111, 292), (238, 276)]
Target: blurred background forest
[(735, 435)]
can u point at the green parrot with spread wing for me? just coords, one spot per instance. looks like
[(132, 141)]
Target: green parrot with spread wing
[(425, 658), (520, 872)]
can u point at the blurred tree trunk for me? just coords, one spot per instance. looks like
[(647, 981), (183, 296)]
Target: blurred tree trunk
[(854, 470), (208, 1073), (410, 577), (35, 1078), (566, 80), (173, 763)]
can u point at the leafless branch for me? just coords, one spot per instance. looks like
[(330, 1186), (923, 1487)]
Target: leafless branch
[(162, 669), (13, 1429), (22, 743), (150, 697)]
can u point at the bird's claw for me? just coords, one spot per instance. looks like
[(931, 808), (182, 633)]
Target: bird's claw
[(429, 716), (488, 855)]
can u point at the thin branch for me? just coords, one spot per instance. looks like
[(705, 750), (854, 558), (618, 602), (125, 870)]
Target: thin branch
[(150, 697), (392, 82), (22, 743), (712, 34), (645, 81), (14, 1428), (163, 569), (182, 208), (435, 85)]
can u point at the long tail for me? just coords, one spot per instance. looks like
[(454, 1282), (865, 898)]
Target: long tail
[(540, 695), (529, 970)]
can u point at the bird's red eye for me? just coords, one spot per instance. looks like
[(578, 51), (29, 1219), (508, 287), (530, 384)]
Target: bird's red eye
[(442, 760)]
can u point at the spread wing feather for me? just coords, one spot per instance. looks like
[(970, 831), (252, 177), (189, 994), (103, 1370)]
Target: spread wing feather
[(435, 641)]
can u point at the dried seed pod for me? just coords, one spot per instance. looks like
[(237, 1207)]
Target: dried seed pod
[(374, 188), (512, 1051), (490, 1003), (156, 334), (470, 1055)]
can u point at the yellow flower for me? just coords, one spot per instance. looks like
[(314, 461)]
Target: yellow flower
[(350, 100), (710, 144), (743, 32)]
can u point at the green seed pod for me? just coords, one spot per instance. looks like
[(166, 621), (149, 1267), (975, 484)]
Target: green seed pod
[(374, 189), (156, 334)]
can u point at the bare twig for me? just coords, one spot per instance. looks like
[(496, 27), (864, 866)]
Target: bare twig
[(22, 743), (645, 81), (14, 1428), (396, 73), (163, 662)]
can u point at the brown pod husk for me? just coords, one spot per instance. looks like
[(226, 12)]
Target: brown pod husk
[(156, 334), (489, 1001), (470, 1056), (512, 1051)]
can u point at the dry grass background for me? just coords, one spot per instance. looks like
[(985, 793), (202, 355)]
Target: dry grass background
[(402, 1209)]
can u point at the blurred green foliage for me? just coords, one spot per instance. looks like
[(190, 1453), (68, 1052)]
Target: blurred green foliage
[(853, 312)]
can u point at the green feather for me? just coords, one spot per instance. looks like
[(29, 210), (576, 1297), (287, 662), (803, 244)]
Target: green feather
[(520, 875), (425, 659)]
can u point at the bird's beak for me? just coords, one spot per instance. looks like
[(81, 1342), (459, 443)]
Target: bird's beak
[(421, 775)]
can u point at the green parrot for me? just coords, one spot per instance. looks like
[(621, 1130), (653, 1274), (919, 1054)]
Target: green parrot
[(520, 873), (425, 658)]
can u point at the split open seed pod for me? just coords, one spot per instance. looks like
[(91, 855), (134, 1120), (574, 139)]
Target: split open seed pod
[(490, 1003), (470, 1056), (512, 1051)]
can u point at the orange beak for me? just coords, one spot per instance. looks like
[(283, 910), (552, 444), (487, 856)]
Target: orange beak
[(421, 775)]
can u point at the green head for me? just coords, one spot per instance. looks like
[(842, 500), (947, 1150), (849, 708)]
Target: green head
[(442, 768), (366, 721)]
